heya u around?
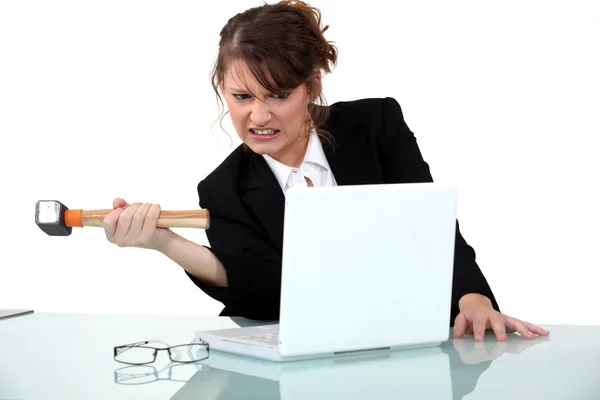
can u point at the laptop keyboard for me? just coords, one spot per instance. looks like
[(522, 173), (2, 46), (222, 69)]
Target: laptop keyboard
[(268, 334), (266, 338)]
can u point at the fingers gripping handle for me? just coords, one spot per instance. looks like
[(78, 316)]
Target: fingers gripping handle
[(167, 219)]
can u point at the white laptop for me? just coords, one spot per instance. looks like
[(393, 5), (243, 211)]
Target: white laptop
[(365, 268)]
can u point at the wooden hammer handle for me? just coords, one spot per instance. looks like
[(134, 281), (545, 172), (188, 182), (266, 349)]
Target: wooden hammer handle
[(167, 219)]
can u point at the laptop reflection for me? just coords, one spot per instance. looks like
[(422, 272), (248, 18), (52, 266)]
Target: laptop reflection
[(419, 373)]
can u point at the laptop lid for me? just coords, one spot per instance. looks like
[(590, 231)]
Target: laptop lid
[(366, 267)]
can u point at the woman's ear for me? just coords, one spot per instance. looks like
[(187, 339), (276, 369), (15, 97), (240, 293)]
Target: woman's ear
[(317, 79), (316, 84)]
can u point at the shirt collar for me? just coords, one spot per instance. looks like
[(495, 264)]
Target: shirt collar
[(314, 151), (314, 156)]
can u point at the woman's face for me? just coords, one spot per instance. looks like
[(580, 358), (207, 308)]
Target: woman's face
[(268, 123)]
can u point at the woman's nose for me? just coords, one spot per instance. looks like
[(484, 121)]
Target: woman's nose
[(260, 115)]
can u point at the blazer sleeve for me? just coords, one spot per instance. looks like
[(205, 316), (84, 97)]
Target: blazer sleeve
[(252, 264), (401, 161)]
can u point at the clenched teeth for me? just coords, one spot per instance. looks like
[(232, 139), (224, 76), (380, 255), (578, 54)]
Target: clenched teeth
[(264, 131)]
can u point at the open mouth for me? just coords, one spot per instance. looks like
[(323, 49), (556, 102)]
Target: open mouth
[(264, 134)]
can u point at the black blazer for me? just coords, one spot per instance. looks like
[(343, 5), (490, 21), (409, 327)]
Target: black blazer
[(373, 145)]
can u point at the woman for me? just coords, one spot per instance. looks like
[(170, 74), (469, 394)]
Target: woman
[(269, 70)]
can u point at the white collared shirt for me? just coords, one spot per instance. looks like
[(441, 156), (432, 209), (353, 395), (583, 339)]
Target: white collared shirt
[(315, 167)]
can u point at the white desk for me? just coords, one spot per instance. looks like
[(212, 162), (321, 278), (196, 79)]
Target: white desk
[(64, 356)]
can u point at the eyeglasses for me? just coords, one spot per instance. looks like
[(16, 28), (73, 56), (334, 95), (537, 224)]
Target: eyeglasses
[(140, 353)]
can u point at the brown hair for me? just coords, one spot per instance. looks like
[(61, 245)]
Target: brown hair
[(283, 46)]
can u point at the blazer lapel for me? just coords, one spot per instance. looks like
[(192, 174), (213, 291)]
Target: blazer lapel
[(262, 193), (350, 156)]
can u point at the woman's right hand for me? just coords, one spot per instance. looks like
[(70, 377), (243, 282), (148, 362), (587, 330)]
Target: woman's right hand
[(134, 225)]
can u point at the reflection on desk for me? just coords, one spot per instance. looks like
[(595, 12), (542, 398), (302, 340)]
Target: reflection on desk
[(60, 356), (425, 373), (447, 372), (145, 374)]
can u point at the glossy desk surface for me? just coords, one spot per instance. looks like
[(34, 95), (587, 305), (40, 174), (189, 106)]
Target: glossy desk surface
[(64, 356)]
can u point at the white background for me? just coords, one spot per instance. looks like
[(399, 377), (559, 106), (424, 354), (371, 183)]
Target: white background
[(112, 98)]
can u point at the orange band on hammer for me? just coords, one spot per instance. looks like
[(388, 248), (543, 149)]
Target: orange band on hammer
[(73, 218)]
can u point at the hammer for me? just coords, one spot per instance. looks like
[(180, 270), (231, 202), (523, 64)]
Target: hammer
[(56, 219)]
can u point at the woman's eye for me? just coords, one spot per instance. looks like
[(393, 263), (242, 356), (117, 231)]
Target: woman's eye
[(281, 96), (278, 96)]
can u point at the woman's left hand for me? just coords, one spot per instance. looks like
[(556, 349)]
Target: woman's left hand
[(478, 316)]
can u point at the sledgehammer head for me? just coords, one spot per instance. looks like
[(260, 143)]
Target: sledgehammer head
[(50, 217)]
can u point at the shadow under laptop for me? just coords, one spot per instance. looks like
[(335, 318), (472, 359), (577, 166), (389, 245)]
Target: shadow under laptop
[(449, 371)]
